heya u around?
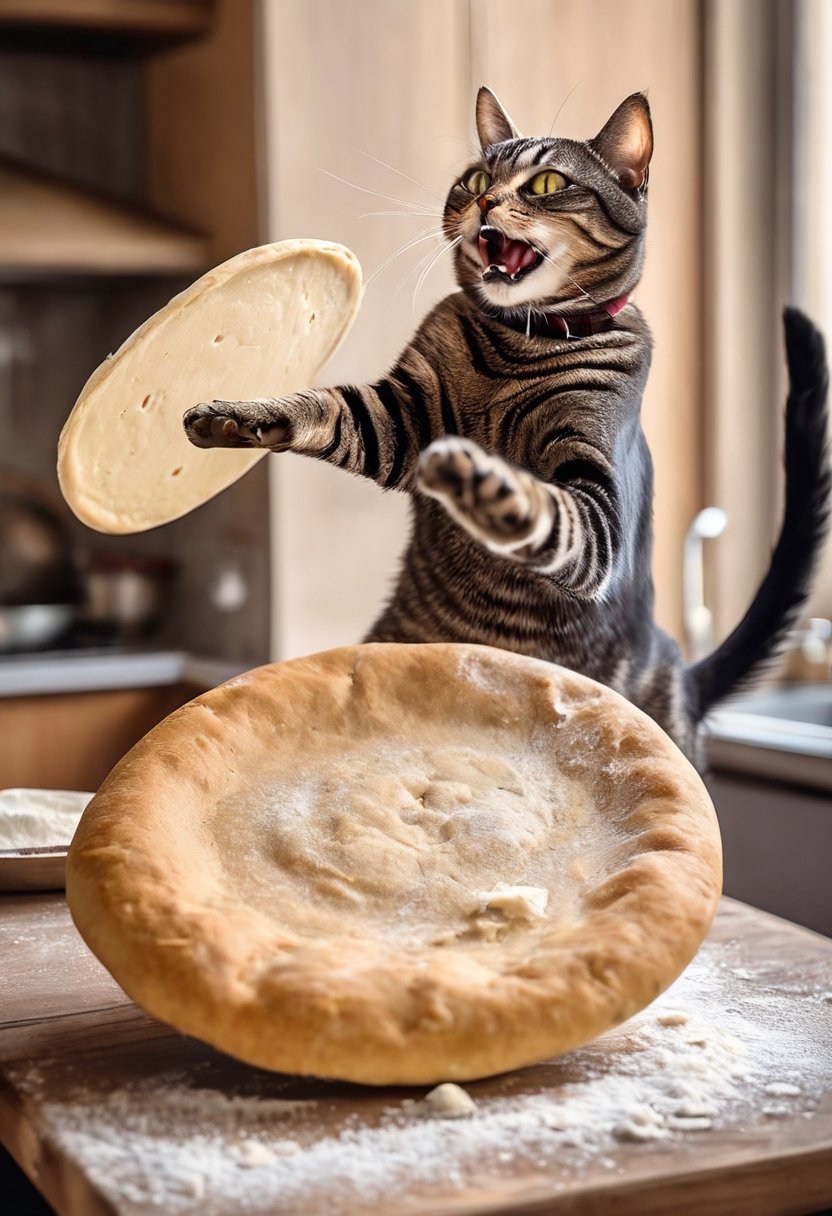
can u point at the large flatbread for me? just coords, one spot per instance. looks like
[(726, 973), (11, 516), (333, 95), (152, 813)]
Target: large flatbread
[(398, 864), (260, 325)]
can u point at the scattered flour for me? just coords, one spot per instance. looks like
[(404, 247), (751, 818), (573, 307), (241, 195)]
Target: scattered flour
[(32, 819), (742, 1053)]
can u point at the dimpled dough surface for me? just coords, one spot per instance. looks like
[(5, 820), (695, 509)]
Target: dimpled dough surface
[(260, 325), (315, 866)]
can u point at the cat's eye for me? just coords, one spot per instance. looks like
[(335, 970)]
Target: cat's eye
[(477, 181), (548, 182)]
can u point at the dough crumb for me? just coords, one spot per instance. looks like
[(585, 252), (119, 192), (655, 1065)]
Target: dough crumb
[(285, 1148), (693, 1109), (641, 1123), (782, 1089), (251, 1153), (193, 1186), (690, 1123), (450, 1102), (516, 903), (672, 1017)]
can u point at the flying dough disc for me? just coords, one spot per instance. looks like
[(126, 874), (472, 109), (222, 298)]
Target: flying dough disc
[(260, 325), (398, 864)]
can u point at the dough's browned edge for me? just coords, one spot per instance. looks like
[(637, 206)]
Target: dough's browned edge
[(143, 890)]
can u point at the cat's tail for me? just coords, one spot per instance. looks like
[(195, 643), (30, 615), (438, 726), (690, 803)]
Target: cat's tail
[(785, 588)]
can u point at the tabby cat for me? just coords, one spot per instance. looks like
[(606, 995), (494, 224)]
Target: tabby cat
[(513, 420)]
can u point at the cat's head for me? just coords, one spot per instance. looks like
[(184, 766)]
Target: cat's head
[(555, 224)]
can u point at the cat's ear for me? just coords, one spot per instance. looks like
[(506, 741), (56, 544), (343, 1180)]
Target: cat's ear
[(625, 141), (494, 124)]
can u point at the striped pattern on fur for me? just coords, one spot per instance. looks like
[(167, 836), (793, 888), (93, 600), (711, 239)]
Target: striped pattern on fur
[(522, 450)]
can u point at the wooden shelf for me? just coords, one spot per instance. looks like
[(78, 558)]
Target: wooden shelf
[(49, 226), (141, 18)]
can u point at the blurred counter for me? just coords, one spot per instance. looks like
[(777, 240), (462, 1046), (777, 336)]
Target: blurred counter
[(76, 671), (782, 734)]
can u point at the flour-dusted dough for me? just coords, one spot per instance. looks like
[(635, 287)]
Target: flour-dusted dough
[(260, 325), (290, 866)]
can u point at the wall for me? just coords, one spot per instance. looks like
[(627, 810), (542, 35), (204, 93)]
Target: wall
[(396, 81)]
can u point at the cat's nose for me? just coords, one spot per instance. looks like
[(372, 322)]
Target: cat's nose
[(485, 202)]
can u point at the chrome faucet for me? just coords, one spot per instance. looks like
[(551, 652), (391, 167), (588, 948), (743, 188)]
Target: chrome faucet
[(698, 618)]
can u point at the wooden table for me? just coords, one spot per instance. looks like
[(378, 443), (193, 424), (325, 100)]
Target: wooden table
[(93, 1094)]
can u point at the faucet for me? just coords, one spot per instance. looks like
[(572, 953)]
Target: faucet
[(698, 618)]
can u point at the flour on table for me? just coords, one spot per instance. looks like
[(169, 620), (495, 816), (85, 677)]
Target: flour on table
[(31, 819), (743, 1054)]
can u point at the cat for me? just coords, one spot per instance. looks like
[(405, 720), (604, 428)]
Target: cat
[(512, 418)]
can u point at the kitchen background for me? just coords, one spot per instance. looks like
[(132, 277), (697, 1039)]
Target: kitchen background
[(142, 141)]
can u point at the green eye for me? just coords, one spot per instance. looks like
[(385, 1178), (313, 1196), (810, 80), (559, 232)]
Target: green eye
[(548, 182), (477, 181)]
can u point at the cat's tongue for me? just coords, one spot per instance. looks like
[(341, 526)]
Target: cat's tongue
[(499, 250)]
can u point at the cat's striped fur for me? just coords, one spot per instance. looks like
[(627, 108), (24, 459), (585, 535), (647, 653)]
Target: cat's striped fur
[(530, 476)]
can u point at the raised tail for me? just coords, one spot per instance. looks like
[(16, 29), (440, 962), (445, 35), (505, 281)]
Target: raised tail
[(785, 588)]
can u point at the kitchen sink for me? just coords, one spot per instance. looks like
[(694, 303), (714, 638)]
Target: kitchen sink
[(785, 733), (794, 703)]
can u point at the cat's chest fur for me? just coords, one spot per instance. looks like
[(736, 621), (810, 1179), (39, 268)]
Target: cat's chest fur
[(523, 395)]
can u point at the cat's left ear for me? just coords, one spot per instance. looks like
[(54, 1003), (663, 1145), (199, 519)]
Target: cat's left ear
[(626, 141), (494, 124)]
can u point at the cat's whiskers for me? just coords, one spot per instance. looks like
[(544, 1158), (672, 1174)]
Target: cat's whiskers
[(393, 169), (562, 104), (407, 215), (376, 194), (417, 268), (552, 262), (397, 253), (437, 257)]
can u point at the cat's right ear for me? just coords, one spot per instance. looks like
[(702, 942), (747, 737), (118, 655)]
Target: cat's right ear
[(626, 142), (494, 124)]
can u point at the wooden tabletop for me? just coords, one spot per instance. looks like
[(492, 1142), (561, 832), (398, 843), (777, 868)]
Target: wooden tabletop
[(108, 1111)]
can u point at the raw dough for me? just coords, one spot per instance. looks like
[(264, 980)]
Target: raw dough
[(288, 867), (260, 325), (449, 1101)]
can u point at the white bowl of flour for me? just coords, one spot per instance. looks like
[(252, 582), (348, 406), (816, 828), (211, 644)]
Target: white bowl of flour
[(36, 827)]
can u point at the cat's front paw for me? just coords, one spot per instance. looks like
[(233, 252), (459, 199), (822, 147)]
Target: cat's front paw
[(236, 424), (484, 493)]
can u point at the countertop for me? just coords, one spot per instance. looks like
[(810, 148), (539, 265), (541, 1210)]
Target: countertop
[(716, 1099), (66, 671), (785, 734)]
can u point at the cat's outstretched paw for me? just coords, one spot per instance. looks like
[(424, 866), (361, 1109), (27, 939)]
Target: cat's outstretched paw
[(237, 424), (494, 501)]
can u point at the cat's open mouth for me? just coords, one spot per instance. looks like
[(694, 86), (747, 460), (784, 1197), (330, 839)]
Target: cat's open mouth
[(504, 258)]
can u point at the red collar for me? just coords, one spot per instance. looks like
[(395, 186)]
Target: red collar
[(575, 325), (583, 324)]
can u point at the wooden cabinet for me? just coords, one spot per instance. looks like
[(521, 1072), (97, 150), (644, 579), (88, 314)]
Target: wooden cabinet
[(134, 18), (166, 181), (72, 740), (777, 841)]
